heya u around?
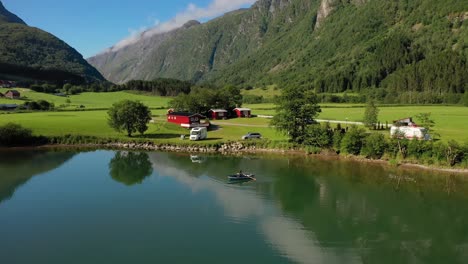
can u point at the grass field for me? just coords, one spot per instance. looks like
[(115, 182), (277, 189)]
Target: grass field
[(89, 100), (94, 123), (451, 121)]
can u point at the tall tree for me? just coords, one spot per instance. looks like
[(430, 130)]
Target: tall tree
[(296, 109), (371, 114), (129, 116), (425, 120)]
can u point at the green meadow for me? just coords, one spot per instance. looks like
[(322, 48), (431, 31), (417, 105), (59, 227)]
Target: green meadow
[(451, 121), (89, 100), (94, 123)]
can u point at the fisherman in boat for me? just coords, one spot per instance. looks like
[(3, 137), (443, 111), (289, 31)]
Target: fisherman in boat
[(239, 174)]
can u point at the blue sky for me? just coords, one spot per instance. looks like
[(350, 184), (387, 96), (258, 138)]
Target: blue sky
[(91, 26)]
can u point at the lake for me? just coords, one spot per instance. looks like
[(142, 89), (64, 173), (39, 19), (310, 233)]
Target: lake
[(150, 207)]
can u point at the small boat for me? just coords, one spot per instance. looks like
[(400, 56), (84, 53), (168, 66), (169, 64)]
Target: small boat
[(241, 177)]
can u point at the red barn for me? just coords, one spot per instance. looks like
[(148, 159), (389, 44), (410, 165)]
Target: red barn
[(218, 114), (243, 112), (12, 94), (187, 120)]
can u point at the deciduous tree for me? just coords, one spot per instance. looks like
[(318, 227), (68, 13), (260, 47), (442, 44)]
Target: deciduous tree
[(129, 116), (296, 109), (371, 114)]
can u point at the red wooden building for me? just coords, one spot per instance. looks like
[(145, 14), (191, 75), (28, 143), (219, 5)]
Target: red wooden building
[(187, 120), (12, 94), (218, 114), (243, 112)]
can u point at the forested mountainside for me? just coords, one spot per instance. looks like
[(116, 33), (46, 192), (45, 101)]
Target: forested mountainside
[(402, 46), (28, 53)]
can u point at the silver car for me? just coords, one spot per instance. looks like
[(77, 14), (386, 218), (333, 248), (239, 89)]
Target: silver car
[(251, 135)]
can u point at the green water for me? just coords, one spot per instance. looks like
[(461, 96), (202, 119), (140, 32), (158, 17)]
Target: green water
[(133, 207)]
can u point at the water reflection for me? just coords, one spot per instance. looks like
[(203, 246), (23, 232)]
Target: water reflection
[(18, 167), (130, 168), (339, 212)]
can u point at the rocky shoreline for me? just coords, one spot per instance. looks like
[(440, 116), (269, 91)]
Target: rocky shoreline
[(230, 147), (233, 148)]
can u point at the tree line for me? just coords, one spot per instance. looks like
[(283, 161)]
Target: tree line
[(298, 107)]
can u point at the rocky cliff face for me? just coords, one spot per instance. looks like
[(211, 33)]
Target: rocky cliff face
[(325, 9)]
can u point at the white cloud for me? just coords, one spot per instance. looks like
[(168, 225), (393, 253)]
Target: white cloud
[(192, 12)]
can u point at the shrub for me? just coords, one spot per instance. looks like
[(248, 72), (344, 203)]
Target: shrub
[(418, 149), (320, 136), (15, 135), (353, 140), (374, 146), (39, 105), (337, 138), (454, 153)]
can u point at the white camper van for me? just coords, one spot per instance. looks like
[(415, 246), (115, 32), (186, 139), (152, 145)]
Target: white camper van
[(410, 132), (198, 133)]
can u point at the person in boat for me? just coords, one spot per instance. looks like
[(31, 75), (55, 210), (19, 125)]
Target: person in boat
[(239, 174)]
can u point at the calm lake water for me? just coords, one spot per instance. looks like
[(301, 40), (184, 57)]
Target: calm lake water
[(136, 207)]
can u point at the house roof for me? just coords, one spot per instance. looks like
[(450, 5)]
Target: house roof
[(219, 110), (242, 109), (13, 92), (183, 114)]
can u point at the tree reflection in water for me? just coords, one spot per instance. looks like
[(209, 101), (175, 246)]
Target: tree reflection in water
[(130, 168)]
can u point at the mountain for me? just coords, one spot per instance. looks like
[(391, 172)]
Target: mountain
[(7, 17), (329, 45), (29, 53)]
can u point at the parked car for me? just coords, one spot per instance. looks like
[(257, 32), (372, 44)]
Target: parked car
[(252, 135)]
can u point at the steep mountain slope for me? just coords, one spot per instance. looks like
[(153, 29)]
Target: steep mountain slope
[(329, 45), (7, 16), (33, 54)]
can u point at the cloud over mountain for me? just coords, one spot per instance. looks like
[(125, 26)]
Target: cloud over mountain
[(192, 12)]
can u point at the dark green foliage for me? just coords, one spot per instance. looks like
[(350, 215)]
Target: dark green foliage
[(454, 153), (40, 105), (353, 140), (129, 116), (161, 86), (374, 146), (465, 98), (425, 120), (296, 109), (130, 168), (319, 135), (201, 100), (337, 138), (371, 114), (15, 135)]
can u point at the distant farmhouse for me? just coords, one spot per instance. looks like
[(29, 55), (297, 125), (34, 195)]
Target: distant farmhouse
[(187, 120), (12, 94), (243, 112), (218, 114)]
